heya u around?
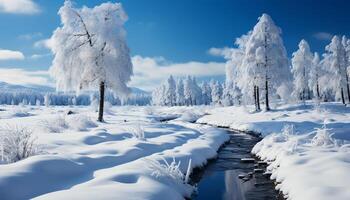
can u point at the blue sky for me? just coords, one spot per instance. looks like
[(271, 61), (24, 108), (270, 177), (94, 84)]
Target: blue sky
[(174, 34)]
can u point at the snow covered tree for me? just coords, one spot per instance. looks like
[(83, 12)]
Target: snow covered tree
[(90, 50), (206, 93), (335, 58), (170, 92), (190, 91), (197, 92), (216, 92), (315, 74), (346, 44), (180, 99), (265, 59), (231, 94), (158, 96), (301, 64)]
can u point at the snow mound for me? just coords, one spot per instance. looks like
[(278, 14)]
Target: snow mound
[(307, 166)]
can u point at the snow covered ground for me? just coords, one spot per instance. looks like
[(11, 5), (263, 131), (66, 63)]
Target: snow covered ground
[(307, 147), (124, 158)]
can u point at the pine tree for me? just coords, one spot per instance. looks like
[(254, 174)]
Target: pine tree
[(301, 64), (180, 99), (315, 74), (265, 58), (335, 58)]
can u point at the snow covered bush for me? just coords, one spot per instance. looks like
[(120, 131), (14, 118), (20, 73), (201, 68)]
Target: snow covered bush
[(323, 137), (138, 132), (62, 122), (16, 143), (80, 122), (55, 125), (170, 171)]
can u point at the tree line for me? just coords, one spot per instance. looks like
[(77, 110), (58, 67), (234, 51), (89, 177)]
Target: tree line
[(258, 71)]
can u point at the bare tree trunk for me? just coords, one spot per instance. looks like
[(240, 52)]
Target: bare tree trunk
[(347, 86), (258, 97), (255, 101), (267, 94), (102, 101), (342, 95), (318, 91)]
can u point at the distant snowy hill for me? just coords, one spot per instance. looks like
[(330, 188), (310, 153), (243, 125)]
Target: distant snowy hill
[(7, 87), (35, 94)]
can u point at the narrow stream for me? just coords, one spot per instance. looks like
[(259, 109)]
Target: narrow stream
[(228, 178)]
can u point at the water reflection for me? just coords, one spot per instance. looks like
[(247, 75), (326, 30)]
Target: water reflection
[(220, 179)]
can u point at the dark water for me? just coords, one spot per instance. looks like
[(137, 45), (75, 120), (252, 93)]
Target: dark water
[(219, 179)]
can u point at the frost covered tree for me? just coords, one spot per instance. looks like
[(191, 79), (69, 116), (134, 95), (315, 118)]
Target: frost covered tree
[(265, 59), (231, 94), (197, 91), (301, 63), (158, 96), (180, 99), (192, 91), (346, 44), (170, 92), (335, 58), (315, 74), (90, 50), (206, 93), (216, 92)]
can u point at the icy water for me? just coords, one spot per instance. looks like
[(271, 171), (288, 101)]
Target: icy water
[(220, 178)]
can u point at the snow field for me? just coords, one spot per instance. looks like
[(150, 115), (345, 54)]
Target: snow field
[(106, 160)]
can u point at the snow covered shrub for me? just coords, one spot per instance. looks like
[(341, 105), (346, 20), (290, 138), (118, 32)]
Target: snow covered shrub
[(62, 122), (138, 132), (323, 137), (16, 143), (55, 125), (80, 122), (287, 132), (170, 171)]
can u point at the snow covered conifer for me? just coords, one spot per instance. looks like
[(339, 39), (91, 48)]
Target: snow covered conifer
[(170, 92), (47, 100), (266, 57), (90, 50), (301, 64), (346, 44), (216, 92), (180, 99), (315, 74), (206, 93), (188, 91), (335, 58)]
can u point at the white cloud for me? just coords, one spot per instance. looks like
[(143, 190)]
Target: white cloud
[(150, 72), (22, 77), (38, 56), (323, 36), (45, 43), (225, 52), (19, 6), (11, 55)]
